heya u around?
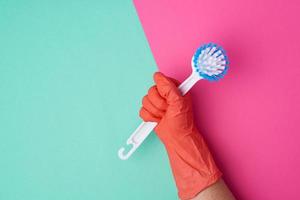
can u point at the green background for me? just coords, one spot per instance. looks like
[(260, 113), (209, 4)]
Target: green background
[(72, 75)]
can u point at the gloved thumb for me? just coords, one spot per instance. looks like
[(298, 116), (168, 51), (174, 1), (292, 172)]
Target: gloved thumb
[(167, 88)]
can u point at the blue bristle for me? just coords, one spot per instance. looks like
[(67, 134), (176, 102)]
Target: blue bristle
[(204, 75)]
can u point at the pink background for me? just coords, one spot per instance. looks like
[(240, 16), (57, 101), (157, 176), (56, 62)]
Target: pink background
[(250, 118)]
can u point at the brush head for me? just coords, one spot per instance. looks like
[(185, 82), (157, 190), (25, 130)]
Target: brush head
[(210, 62)]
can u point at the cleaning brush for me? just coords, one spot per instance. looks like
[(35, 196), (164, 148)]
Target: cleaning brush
[(209, 62)]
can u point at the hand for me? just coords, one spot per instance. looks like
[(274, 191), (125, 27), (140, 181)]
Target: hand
[(165, 105), (192, 164)]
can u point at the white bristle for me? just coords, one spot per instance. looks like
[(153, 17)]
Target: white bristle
[(211, 62)]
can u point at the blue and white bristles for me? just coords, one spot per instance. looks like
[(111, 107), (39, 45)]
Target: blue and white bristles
[(210, 61)]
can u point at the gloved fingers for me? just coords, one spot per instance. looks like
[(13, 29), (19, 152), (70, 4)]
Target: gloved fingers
[(166, 88), (147, 116), (149, 106), (187, 96), (155, 98)]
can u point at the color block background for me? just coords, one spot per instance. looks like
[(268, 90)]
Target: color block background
[(72, 75), (251, 118)]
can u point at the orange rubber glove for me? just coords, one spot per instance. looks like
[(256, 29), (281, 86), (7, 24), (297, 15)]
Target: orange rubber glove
[(192, 164)]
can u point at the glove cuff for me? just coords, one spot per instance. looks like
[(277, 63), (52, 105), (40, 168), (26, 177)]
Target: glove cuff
[(192, 165)]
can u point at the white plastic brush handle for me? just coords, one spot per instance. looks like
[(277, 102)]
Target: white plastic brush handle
[(188, 83), (145, 128)]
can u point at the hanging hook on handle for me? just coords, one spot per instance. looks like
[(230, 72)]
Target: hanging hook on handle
[(136, 139), (121, 151)]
